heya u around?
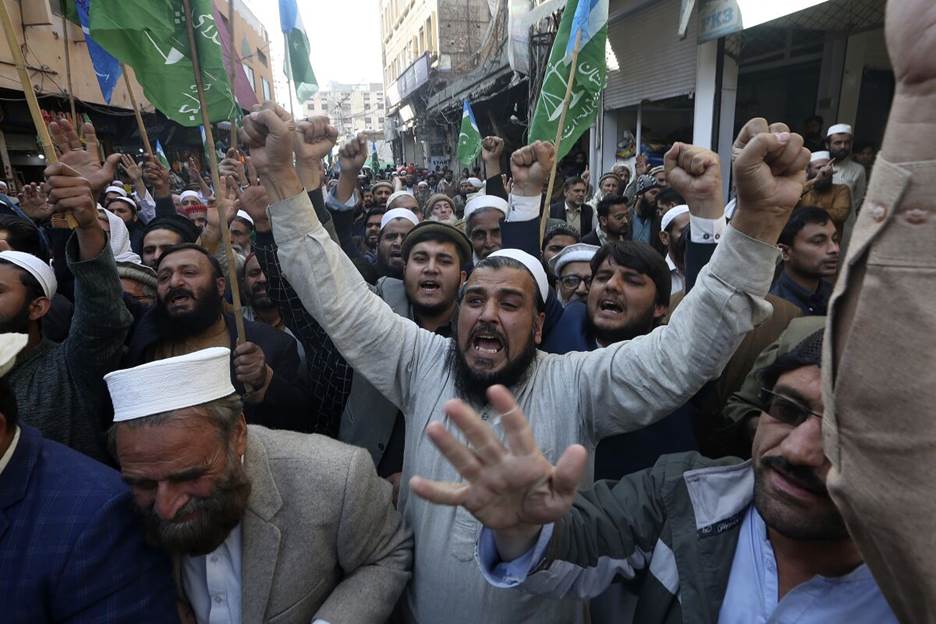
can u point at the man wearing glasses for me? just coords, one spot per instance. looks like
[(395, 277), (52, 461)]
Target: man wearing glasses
[(711, 540), (572, 268)]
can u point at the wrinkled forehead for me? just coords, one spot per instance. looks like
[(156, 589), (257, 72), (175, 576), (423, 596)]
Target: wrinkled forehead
[(492, 280)]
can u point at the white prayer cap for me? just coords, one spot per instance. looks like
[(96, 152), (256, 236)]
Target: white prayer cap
[(671, 214), (398, 213), (839, 129), (35, 267), (125, 200), (10, 345), (114, 188), (821, 155), (532, 264), (186, 194), (170, 384), (242, 214), (396, 195), (475, 182), (480, 202), (579, 252)]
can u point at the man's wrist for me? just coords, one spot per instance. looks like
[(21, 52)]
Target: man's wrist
[(711, 208), (282, 183), (911, 127), (512, 543), (526, 189)]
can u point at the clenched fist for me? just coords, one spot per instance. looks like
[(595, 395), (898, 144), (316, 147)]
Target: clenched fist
[(529, 167), (695, 173)]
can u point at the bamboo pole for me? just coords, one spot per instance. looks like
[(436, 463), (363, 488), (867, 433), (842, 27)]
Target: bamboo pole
[(232, 72), (68, 76), (42, 131), (544, 217), (289, 76), (216, 179), (136, 112)]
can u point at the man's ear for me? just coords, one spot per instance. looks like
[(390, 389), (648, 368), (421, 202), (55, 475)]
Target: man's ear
[(659, 311), (221, 284), (39, 308), (538, 321), (664, 238), (464, 278), (784, 251), (240, 436)]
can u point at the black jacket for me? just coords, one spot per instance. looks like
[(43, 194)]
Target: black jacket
[(286, 403), (557, 211)]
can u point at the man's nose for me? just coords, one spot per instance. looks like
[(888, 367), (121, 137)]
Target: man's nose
[(169, 500)]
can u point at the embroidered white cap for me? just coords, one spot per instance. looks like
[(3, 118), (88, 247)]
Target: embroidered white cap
[(820, 155), (115, 189), (242, 214), (480, 202), (398, 213), (671, 214), (158, 387), (35, 267), (839, 129), (533, 265), (579, 252)]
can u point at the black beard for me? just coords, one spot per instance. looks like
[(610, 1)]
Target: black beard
[(793, 523), (385, 269), (217, 515), (646, 210), (472, 385), (207, 311), (260, 299), (640, 327), (841, 154), (16, 324)]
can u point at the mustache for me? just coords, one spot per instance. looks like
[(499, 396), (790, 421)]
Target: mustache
[(487, 328), (172, 292), (805, 478)]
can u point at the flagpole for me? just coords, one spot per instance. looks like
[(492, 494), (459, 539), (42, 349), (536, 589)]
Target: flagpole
[(68, 76), (216, 179), (232, 73), (42, 131), (289, 75), (136, 112), (544, 217)]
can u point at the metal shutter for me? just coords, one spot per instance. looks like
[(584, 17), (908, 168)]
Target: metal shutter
[(654, 63)]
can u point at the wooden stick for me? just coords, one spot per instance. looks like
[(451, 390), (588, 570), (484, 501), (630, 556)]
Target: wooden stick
[(216, 178), (544, 218), (289, 76), (42, 131), (232, 72), (68, 76), (136, 112)]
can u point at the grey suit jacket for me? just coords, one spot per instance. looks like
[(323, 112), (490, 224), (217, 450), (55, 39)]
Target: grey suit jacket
[(321, 538)]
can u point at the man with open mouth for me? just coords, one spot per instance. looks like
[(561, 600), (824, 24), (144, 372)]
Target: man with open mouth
[(499, 323)]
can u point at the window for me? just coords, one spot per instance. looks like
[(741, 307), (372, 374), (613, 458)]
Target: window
[(267, 91), (262, 58), (250, 76)]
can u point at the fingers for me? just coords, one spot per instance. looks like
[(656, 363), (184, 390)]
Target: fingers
[(754, 127), (519, 435), (545, 153), (245, 348), (523, 157), (785, 161), (438, 492), (778, 126), (59, 140), (479, 434), (758, 147), (252, 177), (569, 470), (110, 165), (460, 456), (671, 157), (696, 160), (89, 136)]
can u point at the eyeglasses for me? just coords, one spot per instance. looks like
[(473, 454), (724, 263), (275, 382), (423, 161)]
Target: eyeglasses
[(572, 282), (786, 410)]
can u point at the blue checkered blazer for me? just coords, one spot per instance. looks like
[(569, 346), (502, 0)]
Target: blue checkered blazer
[(71, 547)]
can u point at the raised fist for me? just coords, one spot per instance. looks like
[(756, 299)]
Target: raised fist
[(694, 173), (529, 167), (315, 138), (70, 192), (270, 134), (492, 148), (353, 155)]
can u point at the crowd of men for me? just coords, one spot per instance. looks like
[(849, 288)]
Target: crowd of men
[(459, 400)]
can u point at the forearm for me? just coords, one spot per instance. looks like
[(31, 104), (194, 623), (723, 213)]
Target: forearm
[(347, 186)]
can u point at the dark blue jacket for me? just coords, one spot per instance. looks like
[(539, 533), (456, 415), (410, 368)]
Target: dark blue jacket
[(71, 546)]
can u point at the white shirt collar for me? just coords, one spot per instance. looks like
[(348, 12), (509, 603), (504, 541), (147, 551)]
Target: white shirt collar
[(8, 455)]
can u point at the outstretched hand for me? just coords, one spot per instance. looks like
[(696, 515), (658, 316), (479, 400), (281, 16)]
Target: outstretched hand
[(769, 172), (83, 159), (694, 173), (530, 165), (512, 490)]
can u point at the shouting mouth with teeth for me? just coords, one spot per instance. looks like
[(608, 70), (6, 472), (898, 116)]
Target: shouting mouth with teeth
[(487, 348)]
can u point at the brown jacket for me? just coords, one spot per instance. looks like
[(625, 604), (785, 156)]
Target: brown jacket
[(836, 200), (879, 427)]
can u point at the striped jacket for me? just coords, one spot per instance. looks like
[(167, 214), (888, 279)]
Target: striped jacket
[(672, 529)]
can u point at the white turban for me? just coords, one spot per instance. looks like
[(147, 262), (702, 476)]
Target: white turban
[(533, 265), (579, 252), (398, 213), (839, 129), (116, 189), (35, 267), (480, 202), (671, 214), (823, 155)]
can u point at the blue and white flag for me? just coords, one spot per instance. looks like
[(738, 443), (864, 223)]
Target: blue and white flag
[(106, 67), (590, 17)]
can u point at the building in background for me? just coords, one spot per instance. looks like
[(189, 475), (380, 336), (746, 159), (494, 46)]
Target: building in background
[(39, 27), (353, 108)]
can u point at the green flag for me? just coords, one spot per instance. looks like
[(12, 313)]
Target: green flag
[(150, 36), (469, 140), (71, 12), (299, 68), (590, 78)]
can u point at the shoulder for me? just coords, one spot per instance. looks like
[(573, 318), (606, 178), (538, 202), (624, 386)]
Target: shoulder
[(393, 292), (306, 460)]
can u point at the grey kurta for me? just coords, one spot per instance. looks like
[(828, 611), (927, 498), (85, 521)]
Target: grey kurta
[(571, 398)]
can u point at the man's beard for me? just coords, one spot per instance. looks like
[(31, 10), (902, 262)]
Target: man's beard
[(206, 312), (472, 385), (641, 326), (260, 298), (16, 324), (385, 269), (646, 210), (798, 524), (216, 515), (839, 154)]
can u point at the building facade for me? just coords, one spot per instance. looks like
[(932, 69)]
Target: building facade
[(352, 108)]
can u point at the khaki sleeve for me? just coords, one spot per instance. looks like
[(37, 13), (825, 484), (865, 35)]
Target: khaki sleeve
[(879, 386), (841, 205)]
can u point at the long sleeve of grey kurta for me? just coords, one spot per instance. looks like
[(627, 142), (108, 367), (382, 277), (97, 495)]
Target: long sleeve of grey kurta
[(572, 398)]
